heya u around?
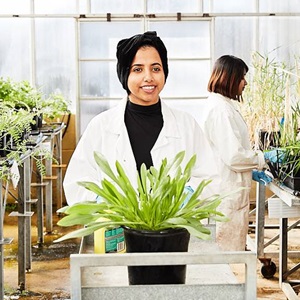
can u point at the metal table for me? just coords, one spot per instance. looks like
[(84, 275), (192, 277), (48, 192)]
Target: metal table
[(3, 241), (209, 275), (24, 214), (285, 196), (53, 132)]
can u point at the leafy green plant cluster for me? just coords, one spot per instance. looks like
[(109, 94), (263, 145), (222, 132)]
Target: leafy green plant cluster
[(20, 104), (264, 97), (290, 142), (20, 94), (158, 202), (55, 106)]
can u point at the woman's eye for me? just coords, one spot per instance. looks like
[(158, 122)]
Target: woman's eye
[(137, 70), (156, 69)]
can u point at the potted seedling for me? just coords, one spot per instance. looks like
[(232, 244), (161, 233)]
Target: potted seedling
[(155, 206)]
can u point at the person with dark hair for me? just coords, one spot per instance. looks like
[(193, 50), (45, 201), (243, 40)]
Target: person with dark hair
[(142, 128), (228, 136)]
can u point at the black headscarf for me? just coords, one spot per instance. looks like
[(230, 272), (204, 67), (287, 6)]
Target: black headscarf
[(127, 48)]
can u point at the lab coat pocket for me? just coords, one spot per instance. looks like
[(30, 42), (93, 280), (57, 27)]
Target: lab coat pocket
[(238, 197)]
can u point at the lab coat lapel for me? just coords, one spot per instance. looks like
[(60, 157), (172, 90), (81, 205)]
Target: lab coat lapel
[(123, 146), (169, 131)]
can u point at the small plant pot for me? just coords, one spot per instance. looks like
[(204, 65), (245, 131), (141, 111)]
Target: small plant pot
[(290, 177), (172, 240), (37, 122), (292, 181)]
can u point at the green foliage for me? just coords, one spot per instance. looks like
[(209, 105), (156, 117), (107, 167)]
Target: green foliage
[(157, 203), (14, 125), (290, 142), (19, 104), (264, 96), (54, 106), (19, 94)]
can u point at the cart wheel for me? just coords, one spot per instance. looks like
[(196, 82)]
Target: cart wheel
[(268, 270)]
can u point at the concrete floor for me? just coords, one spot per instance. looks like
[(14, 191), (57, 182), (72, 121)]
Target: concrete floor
[(49, 276)]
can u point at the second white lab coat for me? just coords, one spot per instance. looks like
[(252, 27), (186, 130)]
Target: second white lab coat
[(107, 134), (228, 136)]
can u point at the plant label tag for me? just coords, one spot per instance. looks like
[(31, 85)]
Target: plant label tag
[(15, 174)]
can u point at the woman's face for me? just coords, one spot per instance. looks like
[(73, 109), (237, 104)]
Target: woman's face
[(242, 85), (146, 77)]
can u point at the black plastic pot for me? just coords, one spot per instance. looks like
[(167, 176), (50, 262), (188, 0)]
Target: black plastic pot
[(37, 122), (172, 240), (4, 141)]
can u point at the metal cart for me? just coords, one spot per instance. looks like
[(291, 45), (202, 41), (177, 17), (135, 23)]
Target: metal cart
[(285, 197)]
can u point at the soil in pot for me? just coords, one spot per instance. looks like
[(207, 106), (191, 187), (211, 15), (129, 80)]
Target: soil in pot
[(173, 240)]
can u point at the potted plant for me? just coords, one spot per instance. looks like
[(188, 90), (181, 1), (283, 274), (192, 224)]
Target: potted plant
[(154, 206), (14, 126), (287, 165), (22, 95), (264, 100), (20, 105), (54, 106)]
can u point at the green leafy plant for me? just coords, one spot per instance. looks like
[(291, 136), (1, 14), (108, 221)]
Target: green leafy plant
[(289, 142), (14, 126), (19, 104), (20, 94), (159, 202), (55, 106), (264, 99)]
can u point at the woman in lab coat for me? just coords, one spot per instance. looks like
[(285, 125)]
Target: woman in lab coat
[(142, 128), (228, 136)]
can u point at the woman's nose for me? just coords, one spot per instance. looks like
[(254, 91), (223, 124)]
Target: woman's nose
[(148, 76)]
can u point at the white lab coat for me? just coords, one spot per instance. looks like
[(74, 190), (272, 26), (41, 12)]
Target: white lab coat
[(107, 134), (228, 136)]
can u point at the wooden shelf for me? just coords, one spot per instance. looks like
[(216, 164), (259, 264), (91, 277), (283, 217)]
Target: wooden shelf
[(36, 184), (49, 177), (59, 166)]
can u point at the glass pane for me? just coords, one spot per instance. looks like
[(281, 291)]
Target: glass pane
[(55, 56), (15, 48), (173, 6), (15, 7), (117, 6), (55, 6), (234, 36), (278, 38), (184, 39), (187, 79), (275, 6), (99, 39), (206, 6), (99, 79), (232, 6), (91, 108)]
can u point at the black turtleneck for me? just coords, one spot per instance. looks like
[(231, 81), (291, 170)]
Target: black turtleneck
[(143, 124)]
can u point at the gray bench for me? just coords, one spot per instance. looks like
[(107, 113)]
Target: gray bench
[(104, 276)]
